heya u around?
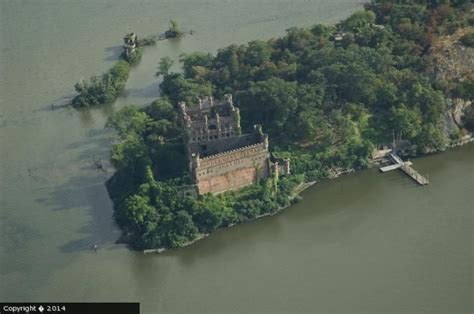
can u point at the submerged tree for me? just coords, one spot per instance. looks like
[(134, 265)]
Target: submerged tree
[(173, 30)]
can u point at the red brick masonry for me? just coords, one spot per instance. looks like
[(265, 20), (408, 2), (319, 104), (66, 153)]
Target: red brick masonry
[(232, 170)]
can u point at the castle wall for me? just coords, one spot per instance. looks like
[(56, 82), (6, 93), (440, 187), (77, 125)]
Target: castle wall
[(232, 170), (220, 157), (206, 149)]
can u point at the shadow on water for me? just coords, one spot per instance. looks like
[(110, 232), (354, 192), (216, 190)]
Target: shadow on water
[(88, 115), (150, 91), (86, 192), (175, 44), (113, 53), (94, 155), (238, 239), (58, 104)]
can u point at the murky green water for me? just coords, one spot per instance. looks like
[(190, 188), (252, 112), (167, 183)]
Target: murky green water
[(363, 243)]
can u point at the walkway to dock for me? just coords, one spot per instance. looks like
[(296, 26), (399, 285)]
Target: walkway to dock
[(406, 168)]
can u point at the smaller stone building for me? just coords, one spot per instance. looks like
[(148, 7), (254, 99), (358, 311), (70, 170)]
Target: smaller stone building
[(130, 42), (220, 157)]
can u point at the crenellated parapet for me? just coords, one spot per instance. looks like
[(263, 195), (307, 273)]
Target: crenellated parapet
[(233, 154)]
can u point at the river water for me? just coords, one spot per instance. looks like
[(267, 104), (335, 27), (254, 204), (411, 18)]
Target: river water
[(362, 243)]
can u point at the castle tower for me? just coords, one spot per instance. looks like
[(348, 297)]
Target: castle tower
[(211, 120), (130, 42), (286, 166)]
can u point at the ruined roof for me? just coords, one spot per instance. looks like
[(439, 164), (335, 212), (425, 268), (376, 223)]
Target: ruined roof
[(225, 144), (198, 114), (207, 106)]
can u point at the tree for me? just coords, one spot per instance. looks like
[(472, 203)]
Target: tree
[(181, 230), (431, 137), (162, 109), (257, 53), (207, 213), (129, 120), (357, 21), (173, 30), (464, 89), (196, 59), (102, 89), (322, 31), (138, 210), (408, 121), (131, 155), (164, 66), (178, 88), (468, 39), (271, 102)]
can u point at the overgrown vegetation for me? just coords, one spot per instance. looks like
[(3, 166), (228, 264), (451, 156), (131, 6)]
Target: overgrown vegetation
[(468, 39), (149, 187), (106, 88), (464, 89), (326, 95), (102, 89), (468, 119)]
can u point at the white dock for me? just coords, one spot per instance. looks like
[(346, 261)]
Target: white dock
[(390, 168), (395, 166)]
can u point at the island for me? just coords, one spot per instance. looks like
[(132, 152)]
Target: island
[(237, 135), (106, 88)]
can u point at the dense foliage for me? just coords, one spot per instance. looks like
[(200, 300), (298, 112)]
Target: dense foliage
[(159, 212), (326, 95), (105, 89), (468, 39), (102, 89), (468, 119)]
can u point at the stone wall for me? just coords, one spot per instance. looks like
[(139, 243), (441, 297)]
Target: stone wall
[(205, 149), (232, 170)]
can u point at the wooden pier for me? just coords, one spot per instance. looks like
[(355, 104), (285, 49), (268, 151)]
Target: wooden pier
[(406, 168), (412, 173)]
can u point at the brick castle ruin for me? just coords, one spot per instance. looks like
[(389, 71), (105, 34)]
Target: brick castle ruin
[(220, 157)]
